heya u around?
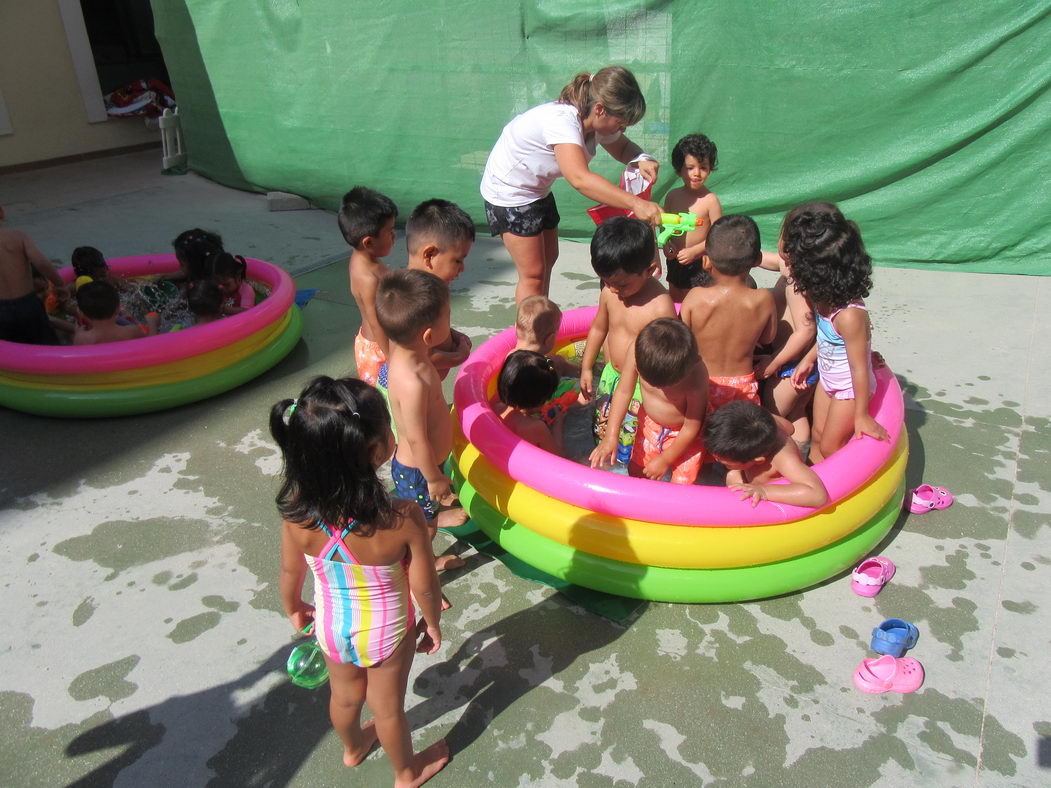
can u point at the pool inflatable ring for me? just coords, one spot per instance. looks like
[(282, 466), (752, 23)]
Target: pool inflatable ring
[(653, 540), (153, 373)]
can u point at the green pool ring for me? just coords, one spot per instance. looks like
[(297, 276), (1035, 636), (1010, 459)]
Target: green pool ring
[(125, 402), (677, 585)]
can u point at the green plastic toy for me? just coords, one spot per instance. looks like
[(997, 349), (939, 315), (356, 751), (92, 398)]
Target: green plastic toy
[(306, 664), (676, 224)]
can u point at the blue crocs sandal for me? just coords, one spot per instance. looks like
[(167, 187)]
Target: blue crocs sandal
[(894, 637)]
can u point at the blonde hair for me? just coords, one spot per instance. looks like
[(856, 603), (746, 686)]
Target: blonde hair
[(538, 317), (614, 87)]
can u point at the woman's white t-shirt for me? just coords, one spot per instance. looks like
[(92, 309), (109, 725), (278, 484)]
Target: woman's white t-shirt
[(522, 165)]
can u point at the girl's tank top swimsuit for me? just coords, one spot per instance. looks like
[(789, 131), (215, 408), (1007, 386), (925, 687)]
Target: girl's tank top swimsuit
[(362, 612), (832, 363)]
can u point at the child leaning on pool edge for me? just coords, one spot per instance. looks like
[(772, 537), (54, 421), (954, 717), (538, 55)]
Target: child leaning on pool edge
[(413, 310), (526, 383), (622, 254), (364, 550), (754, 446)]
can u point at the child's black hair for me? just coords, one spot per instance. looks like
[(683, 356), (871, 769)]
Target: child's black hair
[(194, 248), (88, 261), (205, 298), (698, 146), (363, 213), (665, 350), (224, 264), (826, 257), (98, 300), (328, 438), (733, 244), (622, 244), (527, 379), (741, 431), (441, 222), (408, 301)]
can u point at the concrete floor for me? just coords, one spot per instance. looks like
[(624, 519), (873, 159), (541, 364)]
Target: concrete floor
[(145, 638)]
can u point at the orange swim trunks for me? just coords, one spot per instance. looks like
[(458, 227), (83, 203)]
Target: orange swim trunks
[(369, 358), (723, 390), (650, 441)]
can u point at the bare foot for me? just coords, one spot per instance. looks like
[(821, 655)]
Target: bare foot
[(426, 764), (450, 561), (368, 741), (446, 604), (450, 518)]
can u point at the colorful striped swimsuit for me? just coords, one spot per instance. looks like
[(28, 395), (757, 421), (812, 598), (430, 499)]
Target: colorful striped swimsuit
[(361, 612)]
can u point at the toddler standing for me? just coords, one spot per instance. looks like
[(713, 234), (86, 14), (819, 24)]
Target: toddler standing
[(365, 551)]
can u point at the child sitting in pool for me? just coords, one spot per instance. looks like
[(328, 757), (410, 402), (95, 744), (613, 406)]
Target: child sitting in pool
[(674, 384), (230, 273), (754, 446), (830, 267), (193, 248), (527, 382), (205, 299), (536, 327), (365, 550), (89, 265), (99, 304), (622, 254)]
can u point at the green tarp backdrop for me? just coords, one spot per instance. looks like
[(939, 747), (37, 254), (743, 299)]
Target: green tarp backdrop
[(928, 122)]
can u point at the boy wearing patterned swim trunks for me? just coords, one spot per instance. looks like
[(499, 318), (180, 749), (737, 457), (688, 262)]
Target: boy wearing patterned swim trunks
[(366, 219), (729, 318), (413, 310), (622, 254), (674, 385)]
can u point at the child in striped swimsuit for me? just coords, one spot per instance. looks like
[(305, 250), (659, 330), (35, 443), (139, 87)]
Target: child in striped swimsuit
[(830, 267), (365, 551)]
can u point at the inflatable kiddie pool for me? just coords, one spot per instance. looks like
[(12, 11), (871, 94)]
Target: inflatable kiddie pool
[(659, 541), (155, 372)]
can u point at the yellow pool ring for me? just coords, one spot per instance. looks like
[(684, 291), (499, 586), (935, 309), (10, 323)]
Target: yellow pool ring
[(678, 546), (172, 372)]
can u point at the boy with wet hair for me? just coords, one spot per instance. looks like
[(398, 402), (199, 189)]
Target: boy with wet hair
[(413, 310), (22, 315), (622, 254), (99, 303), (729, 318), (674, 385), (439, 235), (366, 219), (753, 445), (694, 158)]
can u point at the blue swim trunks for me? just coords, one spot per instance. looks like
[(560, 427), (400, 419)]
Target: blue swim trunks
[(410, 483)]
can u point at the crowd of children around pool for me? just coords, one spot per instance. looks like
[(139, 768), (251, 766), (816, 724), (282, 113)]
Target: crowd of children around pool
[(210, 284)]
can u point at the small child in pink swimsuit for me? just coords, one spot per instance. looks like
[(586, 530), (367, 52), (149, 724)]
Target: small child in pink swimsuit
[(830, 267), (364, 550)]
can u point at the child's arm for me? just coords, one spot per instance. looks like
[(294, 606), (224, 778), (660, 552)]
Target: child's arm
[(43, 265), (451, 354), (293, 573), (805, 487), (801, 338), (605, 453), (412, 395), (804, 368), (714, 212), (853, 326), (596, 337), (564, 367), (423, 578), (364, 292)]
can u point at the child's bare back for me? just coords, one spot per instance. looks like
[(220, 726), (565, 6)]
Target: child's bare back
[(729, 320)]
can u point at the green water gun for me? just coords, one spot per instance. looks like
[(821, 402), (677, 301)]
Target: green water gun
[(676, 224)]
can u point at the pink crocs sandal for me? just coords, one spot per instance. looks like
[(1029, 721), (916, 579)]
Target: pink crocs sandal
[(888, 674), (871, 575), (925, 497)]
